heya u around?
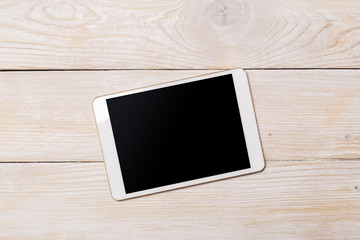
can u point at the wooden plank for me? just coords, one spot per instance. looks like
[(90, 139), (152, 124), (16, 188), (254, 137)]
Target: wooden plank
[(47, 116), (308, 114), (179, 34), (288, 200)]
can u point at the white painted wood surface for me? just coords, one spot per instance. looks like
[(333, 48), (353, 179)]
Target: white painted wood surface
[(196, 34), (309, 126), (52, 179), (288, 200), (47, 116)]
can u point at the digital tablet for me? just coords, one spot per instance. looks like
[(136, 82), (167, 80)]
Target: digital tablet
[(178, 134)]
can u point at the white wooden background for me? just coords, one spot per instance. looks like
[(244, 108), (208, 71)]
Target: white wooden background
[(302, 60)]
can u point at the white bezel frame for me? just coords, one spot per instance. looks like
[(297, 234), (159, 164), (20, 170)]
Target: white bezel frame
[(248, 119)]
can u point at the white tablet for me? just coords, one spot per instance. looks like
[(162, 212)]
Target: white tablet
[(178, 134)]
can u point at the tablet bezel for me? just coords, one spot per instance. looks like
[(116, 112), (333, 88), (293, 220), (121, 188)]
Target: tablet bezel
[(248, 119)]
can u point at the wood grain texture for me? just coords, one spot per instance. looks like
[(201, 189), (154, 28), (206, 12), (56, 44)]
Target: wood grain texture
[(183, 34), (308, 114), (47, 116), (288, 200)]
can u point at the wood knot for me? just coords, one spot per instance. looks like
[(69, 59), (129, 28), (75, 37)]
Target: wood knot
[(62, 13), (226, 13), (348, 137)]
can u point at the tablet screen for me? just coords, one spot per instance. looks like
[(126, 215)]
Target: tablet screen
[(178, 133)]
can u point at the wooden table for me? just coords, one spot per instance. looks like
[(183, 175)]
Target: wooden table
[(302, 59)]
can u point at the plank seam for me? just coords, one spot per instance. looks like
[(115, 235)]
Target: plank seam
[(165, 69), (100, 161)]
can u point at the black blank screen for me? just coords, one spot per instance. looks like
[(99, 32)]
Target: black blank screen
[(178, 133)]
